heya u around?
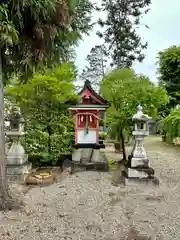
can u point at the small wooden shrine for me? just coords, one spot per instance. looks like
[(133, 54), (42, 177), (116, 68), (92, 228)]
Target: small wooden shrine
[(87, 116)]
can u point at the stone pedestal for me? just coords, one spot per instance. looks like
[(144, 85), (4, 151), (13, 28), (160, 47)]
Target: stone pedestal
[(18, 166), (89, 159)]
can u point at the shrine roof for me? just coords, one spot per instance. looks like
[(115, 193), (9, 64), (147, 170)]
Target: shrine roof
[(90, 107), (87, 86)]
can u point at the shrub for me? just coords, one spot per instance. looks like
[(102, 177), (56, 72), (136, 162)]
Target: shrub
[(102, 135)]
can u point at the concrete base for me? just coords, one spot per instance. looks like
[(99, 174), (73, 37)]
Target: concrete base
[(86, 154), (133, 173), (131, 181), (76, 155), (18, 172), (95, 155), (98, 166), (97, 162)]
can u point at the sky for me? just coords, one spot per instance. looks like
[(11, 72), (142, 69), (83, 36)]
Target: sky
[(163, 20)]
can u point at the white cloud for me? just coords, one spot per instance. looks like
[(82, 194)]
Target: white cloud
[(163, 20)]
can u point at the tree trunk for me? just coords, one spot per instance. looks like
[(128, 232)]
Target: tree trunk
[(49, 130), (123, 144), (6, 201)]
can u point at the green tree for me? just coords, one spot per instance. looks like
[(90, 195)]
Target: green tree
[(123, 43), (46, 30), (32, 36), (44, 102), (95, 69), (125, 91), (169, 73), (171, 125)]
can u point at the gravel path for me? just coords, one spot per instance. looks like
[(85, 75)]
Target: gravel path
[(86, 206)]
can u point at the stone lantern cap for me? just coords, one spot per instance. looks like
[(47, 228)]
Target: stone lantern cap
[(140, 116)]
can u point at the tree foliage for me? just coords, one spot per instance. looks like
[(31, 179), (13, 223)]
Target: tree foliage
[(95, 69), (46, 30), (124, 44), (169, 73), (125, 90), (44, 102), (171, 125)]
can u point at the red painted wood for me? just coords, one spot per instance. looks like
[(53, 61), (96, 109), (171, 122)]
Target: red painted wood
[(88, 97), (86, 93), (76, 125), (97, 130)]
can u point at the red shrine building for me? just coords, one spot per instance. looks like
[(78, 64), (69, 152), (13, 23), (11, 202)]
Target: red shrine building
[(87, 116)]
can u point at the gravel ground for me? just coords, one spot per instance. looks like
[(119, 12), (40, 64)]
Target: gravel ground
[(87, 206)]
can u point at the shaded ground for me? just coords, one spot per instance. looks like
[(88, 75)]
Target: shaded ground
[(87, 206)]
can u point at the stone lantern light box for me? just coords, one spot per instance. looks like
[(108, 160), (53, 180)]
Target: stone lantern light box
[(141, 122), (16, 121)]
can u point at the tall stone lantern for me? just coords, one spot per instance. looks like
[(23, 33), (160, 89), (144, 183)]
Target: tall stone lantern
[(141, 130), (17, 164), (138, 167)]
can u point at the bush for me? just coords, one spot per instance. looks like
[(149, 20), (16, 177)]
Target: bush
[(102, 135), (48, 149), (170, 126)]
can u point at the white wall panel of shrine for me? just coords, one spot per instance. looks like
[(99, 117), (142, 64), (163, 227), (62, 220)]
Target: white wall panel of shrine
[(83, 137)]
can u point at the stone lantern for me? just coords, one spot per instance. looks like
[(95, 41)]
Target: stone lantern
[(137, 169), (17, 164), (141, 130)]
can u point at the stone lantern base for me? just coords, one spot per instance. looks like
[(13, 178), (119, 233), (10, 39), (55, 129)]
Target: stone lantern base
[(134, 173), (17, 167), (17, 172)]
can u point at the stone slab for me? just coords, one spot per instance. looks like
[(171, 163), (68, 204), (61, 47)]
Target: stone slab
[(133, 173), (86, 154), (76, 155), (140, 162), (97, 166), (137, 181), (95, 155), (134, 181)]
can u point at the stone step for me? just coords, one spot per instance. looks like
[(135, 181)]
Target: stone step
[(139, 172), (132, 181), (98, 166), (133, 173)]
